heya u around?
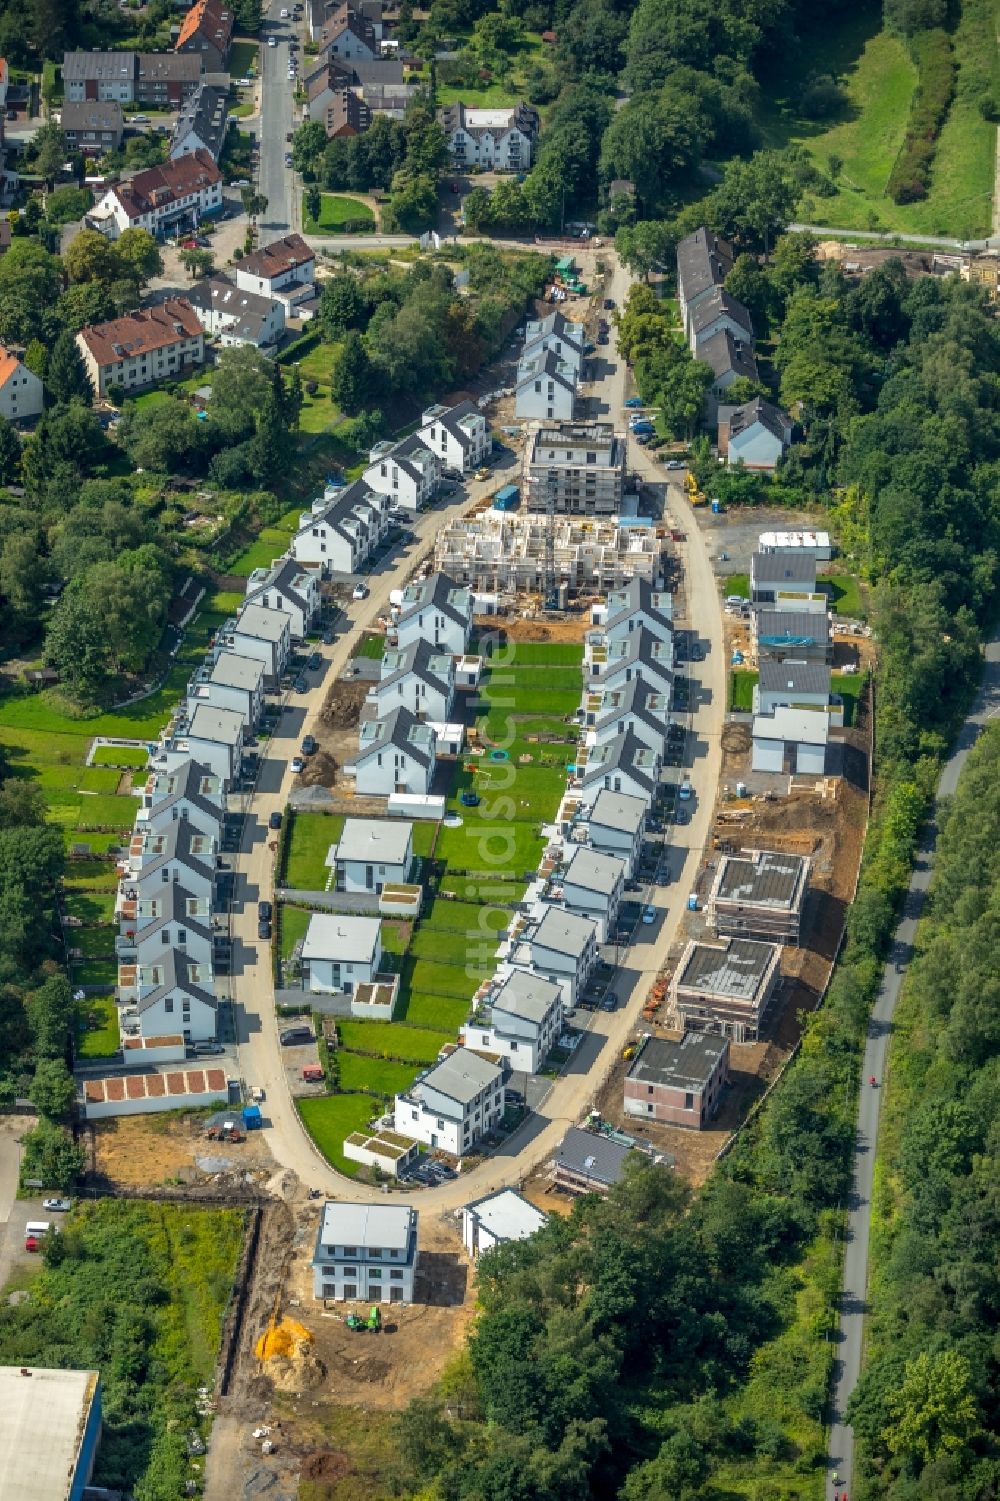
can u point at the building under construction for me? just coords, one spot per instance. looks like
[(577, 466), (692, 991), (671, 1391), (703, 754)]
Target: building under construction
[(497, 553)]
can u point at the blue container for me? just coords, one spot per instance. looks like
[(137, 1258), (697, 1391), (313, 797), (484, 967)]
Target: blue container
[(692, 903), (252, 1118), (506, 499), (716, 507)]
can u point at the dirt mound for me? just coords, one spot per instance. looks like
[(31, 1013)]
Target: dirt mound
[(283, 1339), (327, 1467), (367, 1368), (736, 739), (320, 771), (302, 1373), (342, 710)]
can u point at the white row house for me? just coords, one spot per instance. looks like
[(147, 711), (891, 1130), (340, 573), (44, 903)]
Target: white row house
[(418, 677), (395, 754), (230, 682), (166, 919), (562, 947), (591, 885), (283, 271), (459, 436), (260, 633), (616, 826), (407, 473), (544, 387), (522, 1021), (454, 1105), (289, 587), (499, 138), (178, 788), (557, 334), (215, 737), (615, 663), (623, 764), (177, 852), (609, 712), (436, 610), (172, 995), (637, 605), (342, 530)]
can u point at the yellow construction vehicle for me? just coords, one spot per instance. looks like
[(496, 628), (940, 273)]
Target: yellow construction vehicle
[(695, 496)]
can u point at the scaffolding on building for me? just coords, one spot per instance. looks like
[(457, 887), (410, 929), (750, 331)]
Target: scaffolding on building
[(497, 553)]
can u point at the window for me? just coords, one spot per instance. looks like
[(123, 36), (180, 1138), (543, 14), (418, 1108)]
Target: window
[(649, 1089), (350, 1250), (396, 1275), (374, 1251), (168, 1004), (689, 1102)]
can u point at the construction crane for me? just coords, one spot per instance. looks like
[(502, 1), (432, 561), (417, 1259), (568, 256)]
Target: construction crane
[(551, 584)]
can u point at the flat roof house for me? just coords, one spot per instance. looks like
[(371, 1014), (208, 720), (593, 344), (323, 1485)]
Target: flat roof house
[(678, 1083), (341, 952), (287, 586), (395, 754), (436, 610), (616, 826), (498, 1219), (726, 988), (454, 1104), (215, 736), (365, 1252), (419, 677), (50, 1429), (563, 947), (372, 853), (459, 435), (261, 633), (521, 1020), (592, 885), (586, 1163), (791, 740), (141, 348), (230, 682), (580, 467), (759, 894)]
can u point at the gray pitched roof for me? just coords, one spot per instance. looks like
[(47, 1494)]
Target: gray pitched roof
[(172, 906), (624, 753), (461, 1076), (547, 364), (421, 658), (794, 677), (592, 1156), (396, 729), (185, 783), (618, 810), (634, 697), (177, 970), (206, 114), (638, 596), (530, 996), (789, 568), (440, 592), (703, 261), (714, 306), (764, 412), (249, 310), (724, 353), (637, 649)]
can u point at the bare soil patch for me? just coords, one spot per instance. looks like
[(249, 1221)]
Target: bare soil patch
[(146, 1150)]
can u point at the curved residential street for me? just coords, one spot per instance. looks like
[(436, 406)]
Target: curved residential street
[(853, 1301), (573, 1093)]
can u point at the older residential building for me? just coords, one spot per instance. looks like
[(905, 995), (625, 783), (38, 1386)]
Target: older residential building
[(202, 123), (755, 435), (229, 682), (678, 1083), (635, 706), (365, 1252), (592, 885), (346, 115), (180, 788), (520, 1020), (284, 270), (616, 825), (395, 754), (342, 530), (436, 610), (578, 468), (92, 126), (418, 676), (289, 587), (173, 994), (341, 952), (165, 80), (563, 947), (703, 263), (791, 739), (22, 395), (459, 435), (454, 1105), (349, 34), (137, 350), (803, 635), (236, 317), (726, 988), (407, 473), (330, 75), (718, 312), (160, 79), (320, 13), (498, 1219), (178, 193), (623, 764), (206, 31), (372, 853), (759, 894), (587, 1163), (544, 387), (730, 357), (258, 632), (500, 139)]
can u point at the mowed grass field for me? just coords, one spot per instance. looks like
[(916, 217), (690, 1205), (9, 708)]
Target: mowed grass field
[(336, 213), (310, 836), (878, 76)]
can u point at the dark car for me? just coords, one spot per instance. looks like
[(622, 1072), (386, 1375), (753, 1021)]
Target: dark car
[(274, 822), (609, 303), (315, 661), (295, 1036), (308, 746), (602, 338), (263, 930), (327, 638), (264, 910), (301, 686)]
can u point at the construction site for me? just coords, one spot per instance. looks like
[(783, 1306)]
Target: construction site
[(504, 554)]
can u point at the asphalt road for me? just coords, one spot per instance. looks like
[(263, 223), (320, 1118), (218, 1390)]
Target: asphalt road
[(274, 179), (573, 1093), (853, 1301)]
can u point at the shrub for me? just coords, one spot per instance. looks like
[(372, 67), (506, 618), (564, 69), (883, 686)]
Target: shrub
[(910, 177)]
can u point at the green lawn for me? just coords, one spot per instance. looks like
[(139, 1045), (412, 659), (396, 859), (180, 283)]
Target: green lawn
[(294, 921), (446, 1012), (741, 686), (91, 906), (98, 812), (517, 654), (101, 1041), (737, 583), (243, 56), (464, 918), (845, 595), (391, 1040), (376, 1075), (93, 943), (491, 95), (134, 756), (849, 686), (497, 850), (336, 213), (91, 875), (309, 838), (879, 77), (330, 1118), (260, 554), (96, 972), (467, 953), (424, 835), (372, 646)]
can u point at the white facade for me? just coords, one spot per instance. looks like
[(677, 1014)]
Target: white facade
[(499, 1219), (22, 394), (545, 389), (366, 1253), (215, 738), (592, 886), (454, 1105), (236, 317), (502, 139), (563, 947), (459, 436), (264, 634), (178, 788), (188, 188), (372, 853), (169, 919), (291, 589), (342, 529), (617, 823), (341, 952), (231, 682), (791, 740), (522, 1021), (284, 270), (408, 473), (395, 754), (438, 611), (420, 679)]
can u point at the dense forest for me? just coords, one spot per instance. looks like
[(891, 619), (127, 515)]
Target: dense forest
[(926, 1410), (663, 1346)]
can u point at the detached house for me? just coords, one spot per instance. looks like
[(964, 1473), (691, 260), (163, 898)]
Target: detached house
[(288, 587), (703, 263), (420, 678), (616, 826), (206, 31), (22, 395), (92, 126), (678, 1083), (562, 947), (436, 610), (372, 853), (349, 34), (156, 343), (234, 317), (341, 952), (592, 886), (366, 1252), (759, 894), (521, 1021), (501, 139), (579, 469), (498, 1219), (407, 473), (726, 988), (545, 387), (342, 530), (776, 577), (459, 436), (284, 270), (803, 635), (755, 435), (178, 193), (395, 754), (454, 1104), (623, 764)]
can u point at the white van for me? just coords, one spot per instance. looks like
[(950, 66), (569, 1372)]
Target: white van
[(36, 1232)]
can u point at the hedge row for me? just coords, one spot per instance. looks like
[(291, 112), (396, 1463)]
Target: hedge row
[(910, 177)]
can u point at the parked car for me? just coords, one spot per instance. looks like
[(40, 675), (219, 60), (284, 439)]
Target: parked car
[(610, 1002), (298, 764), (264, 930), (209, 1049), (264, 911), (360, 591), (57, 1206), (482, 474), (675, 464), (301, 686), (315, 661), (649, 915), (309, 746), (634, 401), (327, 638), (274, 821), (609, 303), (295, 1036), (271, 42)]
